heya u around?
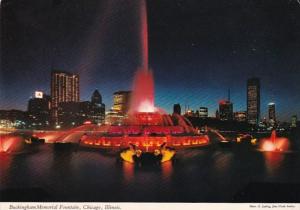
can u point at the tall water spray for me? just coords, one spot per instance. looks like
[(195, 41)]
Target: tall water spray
[(144, 35), (142, 99)]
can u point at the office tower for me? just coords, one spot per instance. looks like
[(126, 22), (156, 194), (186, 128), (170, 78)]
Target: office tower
[(240, 116), (96, 97), (97, 108), (217, 114), (253, 101), (294, 121), (39, 110), (272, 113), (68, 114), (64, 88), (225, 110), (177, 109), (121, 102), (203, 112)]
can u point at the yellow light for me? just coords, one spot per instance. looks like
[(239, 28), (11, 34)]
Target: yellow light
[(156, 152), (253, 141), (127, 155), (167, 154), (138, 153)]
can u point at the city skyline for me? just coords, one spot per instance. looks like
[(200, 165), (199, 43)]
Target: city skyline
[(194, 60), (173, 101), (185, 107)]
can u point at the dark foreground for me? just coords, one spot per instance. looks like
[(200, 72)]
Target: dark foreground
[(214, 173)]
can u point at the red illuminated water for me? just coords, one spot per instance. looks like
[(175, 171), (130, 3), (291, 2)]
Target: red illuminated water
[(144, 34), (11, 144), (143, 92), (143, 86), (274, 143)]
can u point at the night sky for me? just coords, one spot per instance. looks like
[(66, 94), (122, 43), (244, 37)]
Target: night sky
[(198, 49)]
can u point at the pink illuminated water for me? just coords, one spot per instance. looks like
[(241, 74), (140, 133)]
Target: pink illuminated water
[(144, 35), (143, 92), (11, 143), (274, 143), (143, 86)]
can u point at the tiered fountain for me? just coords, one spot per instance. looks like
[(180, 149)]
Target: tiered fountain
[(147, 129)]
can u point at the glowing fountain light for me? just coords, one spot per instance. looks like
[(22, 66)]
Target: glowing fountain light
[(11, 144), (274, 143), (146, 106), (268, 146), (142, 99)]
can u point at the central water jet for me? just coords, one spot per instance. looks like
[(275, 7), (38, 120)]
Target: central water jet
[(144, 35), (142, 99)]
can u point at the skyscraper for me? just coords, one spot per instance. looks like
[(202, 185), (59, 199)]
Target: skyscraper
[(272, 113), (97, 110), (96, 97), (39, 110), (253, 100), (177, 109), (240, 116), (203, 112), (64, 88), (294, 121), (121, 101), (225, 110)]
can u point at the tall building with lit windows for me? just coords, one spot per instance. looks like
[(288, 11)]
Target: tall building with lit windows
[(121, 101), (203, 112), (253, 100), (272, 113), (64, 88), (225, 110), (240, 116), (294, 121), (39, 110)]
